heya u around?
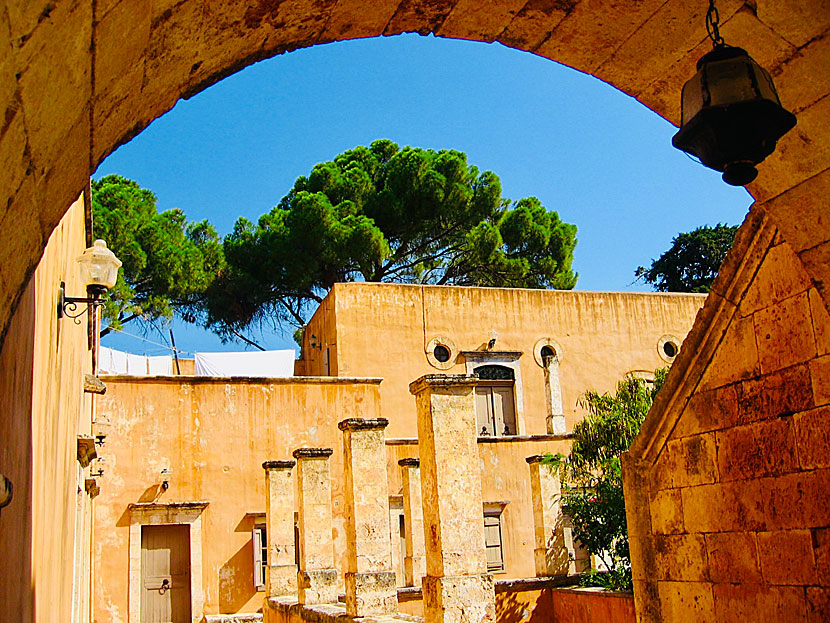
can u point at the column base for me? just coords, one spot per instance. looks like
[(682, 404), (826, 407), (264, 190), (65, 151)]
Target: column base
[(371, 593), (318, 586), (459, 599), (414, 569), (282, 580)]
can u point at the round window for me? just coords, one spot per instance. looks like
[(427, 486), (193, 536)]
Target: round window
[(547, 352), (668, 347), (441, 353)]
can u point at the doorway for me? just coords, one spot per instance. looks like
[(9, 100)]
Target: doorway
[(165, 574)]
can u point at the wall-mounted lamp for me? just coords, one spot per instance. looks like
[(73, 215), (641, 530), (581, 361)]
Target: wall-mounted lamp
[(166, 473), (731, 115), (6, 491), (314, 343), (99, 269), (99, 468), (100, 429), (493, 337)]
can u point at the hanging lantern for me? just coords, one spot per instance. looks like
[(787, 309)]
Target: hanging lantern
[(731, 115)]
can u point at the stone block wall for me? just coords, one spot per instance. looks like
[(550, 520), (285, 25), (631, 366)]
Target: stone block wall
[(727, 487)]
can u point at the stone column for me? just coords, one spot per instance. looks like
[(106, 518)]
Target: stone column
[(316, 577), (279, 527), (414, 563), (550, 552), (370, 580), (457, 587), (555, 419)]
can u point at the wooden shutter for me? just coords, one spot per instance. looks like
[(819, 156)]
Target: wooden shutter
[(493, 543), (260, 545)]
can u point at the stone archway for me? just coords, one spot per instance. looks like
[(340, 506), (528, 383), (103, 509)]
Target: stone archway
[(80, 78)]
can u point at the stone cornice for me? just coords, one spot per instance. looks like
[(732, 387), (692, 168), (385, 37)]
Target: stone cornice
[(355, 423), (312, 453), (279, 464), (442, 381)]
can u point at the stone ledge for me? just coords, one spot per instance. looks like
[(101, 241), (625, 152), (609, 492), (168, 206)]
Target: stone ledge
[(559, 582), (312, 453), (356, 423), (234, 618), (442, 381), (279, 464), (410, 462), (330, 613)]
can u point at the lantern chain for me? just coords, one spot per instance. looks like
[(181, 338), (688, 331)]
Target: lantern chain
[(713, 25)]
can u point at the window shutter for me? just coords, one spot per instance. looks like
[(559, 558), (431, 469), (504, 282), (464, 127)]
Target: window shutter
[(259, 575)]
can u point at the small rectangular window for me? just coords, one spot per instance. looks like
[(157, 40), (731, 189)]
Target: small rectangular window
[(493, 542), (260, 543)]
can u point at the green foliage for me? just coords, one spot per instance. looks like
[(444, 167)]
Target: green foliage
[(592, 489), (692, 262), (382, 213), (168, 263)]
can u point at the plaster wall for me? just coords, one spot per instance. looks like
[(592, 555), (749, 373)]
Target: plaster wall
[(214, 434), (728, 482), (44, 532), (384, 330)]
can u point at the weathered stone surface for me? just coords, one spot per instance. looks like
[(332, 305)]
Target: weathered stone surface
[(459, 599), (781, 276), (316, 578), (465, 22), (371, 593), (681, 557), (686, 601), (744, 602), (708, 411), (279, 521), (774, 395), (450, 475), (787, 557), (733, 557), (667, 507), (820, 376), (818, 604), (798, 22), (736, 358), (784, 338), (761, 449), (813, 438), (369, 589)]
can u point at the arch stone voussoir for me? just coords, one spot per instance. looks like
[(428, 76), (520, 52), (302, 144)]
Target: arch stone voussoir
[(79, 79)]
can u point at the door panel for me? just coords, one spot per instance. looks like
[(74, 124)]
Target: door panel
[(495, 408), (165, 574)]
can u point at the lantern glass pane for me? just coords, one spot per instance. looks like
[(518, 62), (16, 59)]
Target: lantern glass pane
[(99, 266), (731, 81)]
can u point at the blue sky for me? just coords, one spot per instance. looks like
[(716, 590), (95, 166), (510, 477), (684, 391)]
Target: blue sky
[(598, 157)]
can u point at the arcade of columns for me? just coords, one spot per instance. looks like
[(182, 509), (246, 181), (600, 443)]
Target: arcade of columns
[(442, 513)]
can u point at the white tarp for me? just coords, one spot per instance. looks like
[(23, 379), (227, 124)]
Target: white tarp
[(111, 361), (269, 363)]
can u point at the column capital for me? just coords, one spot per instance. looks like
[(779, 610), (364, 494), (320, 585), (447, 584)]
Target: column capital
[(278, 464), (442, 381), (410, 462), (356, 423), (312, 453)]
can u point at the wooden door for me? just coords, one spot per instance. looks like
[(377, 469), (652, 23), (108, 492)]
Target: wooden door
[(495, 410), (165, 574)]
